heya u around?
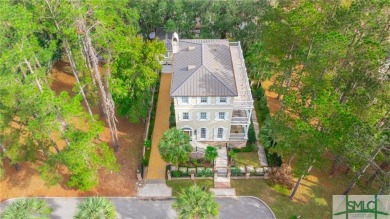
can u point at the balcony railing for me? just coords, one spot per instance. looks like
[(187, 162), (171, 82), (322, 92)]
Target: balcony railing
[(240, 119), (237, 136)]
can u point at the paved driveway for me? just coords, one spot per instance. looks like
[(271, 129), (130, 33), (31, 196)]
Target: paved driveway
[(234, 208)]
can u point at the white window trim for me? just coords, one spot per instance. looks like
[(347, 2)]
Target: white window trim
[(180, 101), (200, 133), (224, 132), (218, 101), (217, 116), (208, 101), (181, 116)]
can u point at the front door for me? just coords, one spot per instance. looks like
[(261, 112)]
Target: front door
[(188, 132)]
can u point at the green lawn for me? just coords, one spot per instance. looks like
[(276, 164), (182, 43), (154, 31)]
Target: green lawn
[(313, 199), (247, 158), (177, 185)]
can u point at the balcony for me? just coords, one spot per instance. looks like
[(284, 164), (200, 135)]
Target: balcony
[(238, 132), (241, 116), (244, 98)]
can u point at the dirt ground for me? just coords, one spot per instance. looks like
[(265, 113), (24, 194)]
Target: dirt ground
[(27, 182), (272, 97)]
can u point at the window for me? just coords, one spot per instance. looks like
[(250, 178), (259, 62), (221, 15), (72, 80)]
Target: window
[(203, 116), (184, 100), (203, 99), (203, 133), (222, 100), (221, 115), (220, 133), (186, 116)]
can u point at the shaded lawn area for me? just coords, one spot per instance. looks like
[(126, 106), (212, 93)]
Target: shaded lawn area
[(247, 158), (313, 199), (177, 185)]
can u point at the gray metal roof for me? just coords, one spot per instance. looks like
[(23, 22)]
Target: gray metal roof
[(203, 67)]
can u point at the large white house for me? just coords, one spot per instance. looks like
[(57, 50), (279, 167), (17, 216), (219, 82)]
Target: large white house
[(210, 89)]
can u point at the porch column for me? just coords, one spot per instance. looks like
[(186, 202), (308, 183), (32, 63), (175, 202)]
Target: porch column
[(246, 131), (249, 114)]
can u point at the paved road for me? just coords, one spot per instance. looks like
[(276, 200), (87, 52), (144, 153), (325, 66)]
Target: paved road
[(230, 208)]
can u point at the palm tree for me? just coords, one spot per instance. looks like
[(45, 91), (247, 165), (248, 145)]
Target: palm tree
[(95, 207), (194, 202), (175, 146), (211, 153), (27, 208)]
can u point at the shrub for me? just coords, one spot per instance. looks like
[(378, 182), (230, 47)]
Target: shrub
[(145, 162), (172, 118), (211, 153), (282, 177), (251, 135), (236, 171), (205, 173), (273, 159), (147, 143), (177, 173)]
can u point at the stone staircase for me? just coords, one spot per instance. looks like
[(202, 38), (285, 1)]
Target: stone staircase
[(221, 180)]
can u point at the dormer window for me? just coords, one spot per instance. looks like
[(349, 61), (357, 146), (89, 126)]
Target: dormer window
[(222, 99), (203, 100), (184, 100)]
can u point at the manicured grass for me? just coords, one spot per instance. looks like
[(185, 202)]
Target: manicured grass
[(177, 185), (247, 158)]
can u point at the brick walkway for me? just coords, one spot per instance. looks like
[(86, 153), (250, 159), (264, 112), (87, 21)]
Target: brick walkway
[(156, 169)]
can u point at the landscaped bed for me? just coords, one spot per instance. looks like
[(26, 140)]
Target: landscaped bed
[(178, 185)]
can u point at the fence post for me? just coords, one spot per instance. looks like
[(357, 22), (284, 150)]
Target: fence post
[(169, 175), (139, 177), (247, 175), (192, 175)]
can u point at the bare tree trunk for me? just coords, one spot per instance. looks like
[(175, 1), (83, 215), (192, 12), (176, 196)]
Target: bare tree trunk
[(383, 166), (36, 78), (360, 173), (295, 189), (71, 61), (290, 160), (106, 98)]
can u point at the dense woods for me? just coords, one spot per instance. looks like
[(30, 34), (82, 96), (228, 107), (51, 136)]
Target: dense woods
[(328, 61), (114, 68)]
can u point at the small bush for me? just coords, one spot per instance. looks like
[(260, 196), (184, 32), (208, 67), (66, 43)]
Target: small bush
[(273, 159), (236, 171), (145, 162), (177, 173), (147, 144), (251, 135), (172, 118), (205, 173), (283, 178)]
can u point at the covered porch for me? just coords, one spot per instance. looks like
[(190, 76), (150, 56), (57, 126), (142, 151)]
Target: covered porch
[(238, 132)]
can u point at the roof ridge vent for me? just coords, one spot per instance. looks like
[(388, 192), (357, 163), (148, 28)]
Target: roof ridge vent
[(191, 67), (191, 48)]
